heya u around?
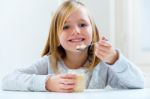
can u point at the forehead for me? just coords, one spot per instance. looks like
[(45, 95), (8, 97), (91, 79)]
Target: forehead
[(78, 14)]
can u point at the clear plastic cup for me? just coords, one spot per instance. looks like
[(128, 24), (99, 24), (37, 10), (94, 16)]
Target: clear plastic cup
[(80, 80)]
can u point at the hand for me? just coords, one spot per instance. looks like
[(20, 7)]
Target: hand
[(106, 52), (61, 83)]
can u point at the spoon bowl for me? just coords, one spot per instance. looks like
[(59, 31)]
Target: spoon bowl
[(82, 47)]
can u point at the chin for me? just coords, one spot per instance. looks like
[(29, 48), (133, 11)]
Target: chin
[(73, 51)]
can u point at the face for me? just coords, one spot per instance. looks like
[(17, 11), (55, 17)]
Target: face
[(77, 30)]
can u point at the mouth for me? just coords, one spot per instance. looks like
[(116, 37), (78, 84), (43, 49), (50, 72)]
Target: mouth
[(76, 40)]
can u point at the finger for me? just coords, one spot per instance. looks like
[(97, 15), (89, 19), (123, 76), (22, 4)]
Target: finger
[(104, 43), (103, 48), (68, 76), (105, 38), (101, 54), (68, 81), (67, 91), (66, 87), (103, 51)]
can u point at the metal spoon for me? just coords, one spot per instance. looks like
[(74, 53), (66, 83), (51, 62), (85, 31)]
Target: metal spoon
[(83, 46)]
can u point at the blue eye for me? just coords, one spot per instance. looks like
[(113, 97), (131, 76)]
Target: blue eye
[(82, 25), (66, 27)]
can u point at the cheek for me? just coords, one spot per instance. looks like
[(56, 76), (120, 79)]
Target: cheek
[(62, 38), (89, 34)]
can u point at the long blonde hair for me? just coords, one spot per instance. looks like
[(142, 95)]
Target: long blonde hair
[(53, 48)]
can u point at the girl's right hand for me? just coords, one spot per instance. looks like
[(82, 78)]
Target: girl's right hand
[(61, 83)]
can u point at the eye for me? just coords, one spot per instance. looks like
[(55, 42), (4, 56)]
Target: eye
[(66, 27), (82, 25)]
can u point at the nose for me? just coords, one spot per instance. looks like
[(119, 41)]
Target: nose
[(76, 30)]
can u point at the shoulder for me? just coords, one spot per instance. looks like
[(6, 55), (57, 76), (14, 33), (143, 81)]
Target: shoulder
[(44, 58)]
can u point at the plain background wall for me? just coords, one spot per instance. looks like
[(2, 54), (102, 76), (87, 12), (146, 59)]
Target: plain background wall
[(24, 26)]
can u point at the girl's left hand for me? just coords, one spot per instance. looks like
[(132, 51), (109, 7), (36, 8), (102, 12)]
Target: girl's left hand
[(106, 52)]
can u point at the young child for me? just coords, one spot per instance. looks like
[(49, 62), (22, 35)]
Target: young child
[(72, 26)]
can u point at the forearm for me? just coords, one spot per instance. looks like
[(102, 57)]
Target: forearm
[(24, 82), (124, 74)]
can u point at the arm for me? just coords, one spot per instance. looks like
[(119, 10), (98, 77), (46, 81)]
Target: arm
[(124, 74), (30, 78), (121, 72)]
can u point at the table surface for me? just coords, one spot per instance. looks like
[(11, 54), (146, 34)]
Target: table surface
[(87, 94)]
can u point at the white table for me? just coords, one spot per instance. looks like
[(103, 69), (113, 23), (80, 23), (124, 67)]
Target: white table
[(87, 94)]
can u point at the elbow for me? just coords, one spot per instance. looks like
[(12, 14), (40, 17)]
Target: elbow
[(6, 83), (141, 84), (138, 85)]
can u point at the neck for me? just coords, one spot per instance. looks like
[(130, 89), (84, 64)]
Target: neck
[(75, 60)]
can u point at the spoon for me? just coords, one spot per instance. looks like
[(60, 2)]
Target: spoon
[(82, 47)]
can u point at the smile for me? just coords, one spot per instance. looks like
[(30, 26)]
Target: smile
[(77, 40)]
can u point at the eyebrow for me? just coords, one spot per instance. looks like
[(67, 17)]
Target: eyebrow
[(83, 20), (79, 20)]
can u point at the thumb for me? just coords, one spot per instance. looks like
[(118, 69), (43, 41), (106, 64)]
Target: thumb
[(104, 38)]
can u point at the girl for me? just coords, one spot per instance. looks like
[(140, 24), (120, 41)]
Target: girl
[(72, 26)]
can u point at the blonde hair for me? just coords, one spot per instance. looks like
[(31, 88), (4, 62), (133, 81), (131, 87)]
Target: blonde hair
[(53, 48)]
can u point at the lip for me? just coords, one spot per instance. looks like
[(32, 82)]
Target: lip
[(81, 39)]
